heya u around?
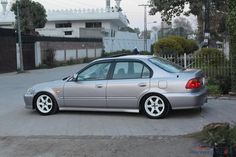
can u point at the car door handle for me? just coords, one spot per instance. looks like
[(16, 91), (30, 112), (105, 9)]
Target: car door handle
[(142, 84), (99, 85)]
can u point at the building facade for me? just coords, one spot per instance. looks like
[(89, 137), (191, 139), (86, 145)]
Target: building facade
[(87, 23)]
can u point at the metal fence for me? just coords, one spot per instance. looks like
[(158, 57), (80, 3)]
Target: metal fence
[(214, 66)]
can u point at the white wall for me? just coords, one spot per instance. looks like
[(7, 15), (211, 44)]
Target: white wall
[(70, 54), (126, 41), (78, 24), (59, 55)]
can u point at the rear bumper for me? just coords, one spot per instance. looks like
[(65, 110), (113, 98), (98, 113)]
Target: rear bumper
[(187, 100), (28, 101)]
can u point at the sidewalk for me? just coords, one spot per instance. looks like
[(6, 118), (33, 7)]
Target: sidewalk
[(98, 146)]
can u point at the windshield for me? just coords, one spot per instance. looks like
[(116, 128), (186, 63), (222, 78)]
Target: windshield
[(166, 65)]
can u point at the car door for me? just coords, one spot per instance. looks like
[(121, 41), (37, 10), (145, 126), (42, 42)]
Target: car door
[(89, 90), (129, 80)]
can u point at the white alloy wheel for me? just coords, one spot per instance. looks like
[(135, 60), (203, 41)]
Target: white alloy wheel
[(44, 104), (154, 106)]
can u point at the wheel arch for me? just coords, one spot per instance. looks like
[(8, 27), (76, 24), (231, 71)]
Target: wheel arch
[(149, 94), (41, 93)]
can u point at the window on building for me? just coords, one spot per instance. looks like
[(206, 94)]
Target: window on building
[(68, 32), (63, 25), (93, 25)]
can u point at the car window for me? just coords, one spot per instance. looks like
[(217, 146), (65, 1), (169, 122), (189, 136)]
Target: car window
[(95, 72), (146, 72), (166, 65), (130, 70)]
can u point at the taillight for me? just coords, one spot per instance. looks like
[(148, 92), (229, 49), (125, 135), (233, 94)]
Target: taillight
[(193, 83)]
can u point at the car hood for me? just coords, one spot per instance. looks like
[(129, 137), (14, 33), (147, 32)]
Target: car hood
[(49, 85)]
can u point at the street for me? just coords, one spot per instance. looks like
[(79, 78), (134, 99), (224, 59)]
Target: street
[(15, 120), (104, 133)]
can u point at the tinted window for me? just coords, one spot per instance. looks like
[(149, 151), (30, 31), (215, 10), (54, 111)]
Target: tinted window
[(95, 72), (130, 70), (166, 65)]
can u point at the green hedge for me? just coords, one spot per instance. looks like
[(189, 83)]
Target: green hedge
[(175, 45), (211, 57)]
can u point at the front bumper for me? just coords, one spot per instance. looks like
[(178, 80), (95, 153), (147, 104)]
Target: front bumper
[(187, 100), (28, 101)]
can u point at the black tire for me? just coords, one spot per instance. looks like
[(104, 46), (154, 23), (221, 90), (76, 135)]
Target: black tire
[(52, 109), (160, 107)]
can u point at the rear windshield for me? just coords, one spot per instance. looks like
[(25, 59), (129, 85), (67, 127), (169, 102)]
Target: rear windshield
[(166, 65)]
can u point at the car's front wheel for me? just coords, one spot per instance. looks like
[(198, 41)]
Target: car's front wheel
[(155, 106), (45, 104)]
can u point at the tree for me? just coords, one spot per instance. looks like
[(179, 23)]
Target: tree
[(182, 22), (32, 14), (170, 9), (232, 33)]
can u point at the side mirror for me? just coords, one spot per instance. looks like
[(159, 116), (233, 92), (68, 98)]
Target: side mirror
[(74, 78)]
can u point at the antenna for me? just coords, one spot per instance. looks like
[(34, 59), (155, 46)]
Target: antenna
[(4, 6)]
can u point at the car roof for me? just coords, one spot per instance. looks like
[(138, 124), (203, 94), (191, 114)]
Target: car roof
[(139, 57), (136, 57)]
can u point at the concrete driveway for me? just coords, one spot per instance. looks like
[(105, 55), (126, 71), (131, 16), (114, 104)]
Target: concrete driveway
[(15, 120)]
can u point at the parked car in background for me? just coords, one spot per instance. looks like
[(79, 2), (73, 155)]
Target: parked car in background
[(146, 84)]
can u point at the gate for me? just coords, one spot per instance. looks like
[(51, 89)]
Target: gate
[(28, 56), (7, 51)]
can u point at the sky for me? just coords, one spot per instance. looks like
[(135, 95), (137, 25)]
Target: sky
[(134, 12)]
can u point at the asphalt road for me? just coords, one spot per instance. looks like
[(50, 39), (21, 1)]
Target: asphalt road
[(101, 147), (15, 120)]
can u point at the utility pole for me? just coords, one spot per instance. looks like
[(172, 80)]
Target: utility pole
[(145, 26), (207, 35), (19, 37)]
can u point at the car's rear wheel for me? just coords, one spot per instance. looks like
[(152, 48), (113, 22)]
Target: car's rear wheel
[(155, 106), (45, 104)]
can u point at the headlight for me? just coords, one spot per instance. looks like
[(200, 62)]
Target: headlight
[(30, 91)]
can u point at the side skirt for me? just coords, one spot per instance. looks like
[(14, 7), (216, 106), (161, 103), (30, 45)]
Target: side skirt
[(99, 109)]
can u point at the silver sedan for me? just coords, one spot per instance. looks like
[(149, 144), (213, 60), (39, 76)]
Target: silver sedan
[(146, 84)]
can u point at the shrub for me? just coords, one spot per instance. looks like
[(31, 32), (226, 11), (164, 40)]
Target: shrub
[(216, 66), (214, 90), (182, 41), (175, 45), (191, 46), (215, 134), (168, 46), (71, 62), (211, 57), (219, 85), (221, 137)]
